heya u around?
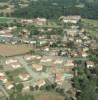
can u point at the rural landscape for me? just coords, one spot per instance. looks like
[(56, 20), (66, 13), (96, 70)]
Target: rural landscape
[(48, 49)]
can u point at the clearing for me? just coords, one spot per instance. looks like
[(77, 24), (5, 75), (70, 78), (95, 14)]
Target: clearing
[(48, 96), (91, 26), (12, 50)]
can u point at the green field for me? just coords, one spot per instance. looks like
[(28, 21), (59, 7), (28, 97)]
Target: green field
[(6, 19), (91, 26), (90, 21)]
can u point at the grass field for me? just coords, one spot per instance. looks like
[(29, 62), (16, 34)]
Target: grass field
[(11, 50), (6, 19), (48, 96), (91, 26), (90, 21)]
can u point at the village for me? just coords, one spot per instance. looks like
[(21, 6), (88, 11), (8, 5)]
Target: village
[(47, 60)]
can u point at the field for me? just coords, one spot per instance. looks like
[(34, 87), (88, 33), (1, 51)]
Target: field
[(91, 26), (6, 19), (48, 96), (90, 21), (11, 50)]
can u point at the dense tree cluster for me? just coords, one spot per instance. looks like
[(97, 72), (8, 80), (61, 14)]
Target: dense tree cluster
[(56, 8), (86, 83)]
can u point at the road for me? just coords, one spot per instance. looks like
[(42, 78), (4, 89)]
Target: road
[(33, 74), (4, 91), (77, 58)]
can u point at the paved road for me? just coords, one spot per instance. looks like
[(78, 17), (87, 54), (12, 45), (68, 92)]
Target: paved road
[(28, 69), (33, 74), (4, 91), (66, 58), (77, 58)]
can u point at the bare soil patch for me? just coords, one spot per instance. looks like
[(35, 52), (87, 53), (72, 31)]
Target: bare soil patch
[(48, 96), (12, 50)]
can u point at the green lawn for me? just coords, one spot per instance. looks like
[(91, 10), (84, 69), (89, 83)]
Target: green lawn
[(90, 21), (6, 19), (91, 26)]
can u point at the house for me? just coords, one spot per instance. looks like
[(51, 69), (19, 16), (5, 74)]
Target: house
[(29, 57), (25, 40), (70, 19), (3, 77), (33, 42), (42, 30), (37, 57), (49, 29), (58, 61), (24, 76), (90, 64), (11, 60), (37, 67), (40, 83), (46, 59), (42, 42), (69, 63), (97, 36), (6, 35), (26, 21), (2, 74), (83, 54), (2, 32), (24, 33), (46, 49), (59, 79), (27, 85), (8, 85), (74, 27), (12, 28), (85, 38), (79, 41), (85, 49), (26, 88), (71, 32), (15, 65), (71, 39), (40, 21)]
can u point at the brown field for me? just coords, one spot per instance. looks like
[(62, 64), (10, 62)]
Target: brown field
[(11, 50), (48, 96)]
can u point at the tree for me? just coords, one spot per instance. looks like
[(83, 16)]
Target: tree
[(76, 83), (20, 96), (19, 87)]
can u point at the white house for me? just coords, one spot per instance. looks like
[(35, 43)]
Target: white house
[(69, 63), (8, 85), (24, 76), (90, 64), (40, 21), (3, 77), (37, 67), (9, 61), (40, 83), (71, 19), (15, 65)]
